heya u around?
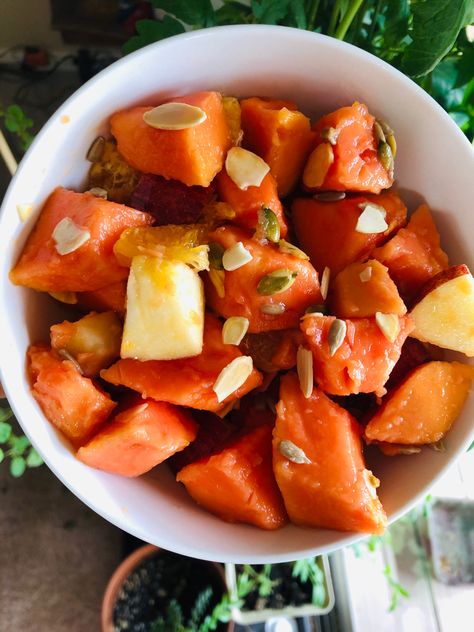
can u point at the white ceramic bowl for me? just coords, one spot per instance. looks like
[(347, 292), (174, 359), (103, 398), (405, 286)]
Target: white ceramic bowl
[(435, 161)]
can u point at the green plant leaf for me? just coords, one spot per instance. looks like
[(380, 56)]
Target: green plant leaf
[(297, 9), (17, 466), (149, 31), (436, 25), (33, 459), (18, 445), (269, 11), (397, 14), (198, 13), (234, 13), (2, 455), (5, 431), (5, 414)]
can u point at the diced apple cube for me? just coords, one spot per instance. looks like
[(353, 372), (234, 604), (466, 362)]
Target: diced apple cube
[(165, 311)]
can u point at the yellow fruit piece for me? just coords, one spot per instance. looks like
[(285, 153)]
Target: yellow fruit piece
[(165, 311), (232, 114), (172, 242), (112, 173)]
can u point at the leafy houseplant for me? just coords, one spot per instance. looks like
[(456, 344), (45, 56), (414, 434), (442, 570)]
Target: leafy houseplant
[(16, 448)]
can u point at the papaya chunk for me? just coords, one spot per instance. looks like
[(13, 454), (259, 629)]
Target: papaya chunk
[(414, 255), (356, 166), (92, 265), (110, 297), (237, 483), (139, 438), (333, 489), (281, 135), (193, 156), (93, 341), (424, 406), (363, 360), (362, 289), (247, 203), (327, 230), (187, 381), (241, 297), (74, 404)]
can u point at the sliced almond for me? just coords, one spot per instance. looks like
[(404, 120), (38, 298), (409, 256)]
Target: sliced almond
[(232, 377), (234, 330), (337, 333), (217, 279), (245, 168), (366, 274), (372, 482), (388, 324), (317, 165), (174, 116), (304, 367), (325, 282), (69, 236), (24, 211), (330, 134), (372, 219), (292, 452), (273, 309), (70, 298), (235, 257), (98, 192)]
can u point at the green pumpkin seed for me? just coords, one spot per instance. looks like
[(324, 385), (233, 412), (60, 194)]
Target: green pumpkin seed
[(276, 282), (268, 224), (387, 130), (215, 255), (330, 134), (317, 309), (386, 157), (336, 335), (289, 249), (393, 144), (96, 150), (379, 133), (329, 196), (292, 452)]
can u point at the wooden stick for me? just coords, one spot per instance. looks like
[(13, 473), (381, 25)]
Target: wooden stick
[(7, 155)]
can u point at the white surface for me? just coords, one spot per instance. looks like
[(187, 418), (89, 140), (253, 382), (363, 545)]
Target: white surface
[(320, 73)]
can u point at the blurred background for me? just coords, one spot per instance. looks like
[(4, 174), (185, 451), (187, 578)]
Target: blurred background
[(56, 556)]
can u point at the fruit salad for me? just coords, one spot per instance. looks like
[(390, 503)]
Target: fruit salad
[(251, 304)]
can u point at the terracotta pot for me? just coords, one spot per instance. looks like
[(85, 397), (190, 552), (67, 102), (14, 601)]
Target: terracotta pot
[(122, 572)]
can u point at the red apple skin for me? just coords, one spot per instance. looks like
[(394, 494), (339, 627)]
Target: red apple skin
[(442, 277)]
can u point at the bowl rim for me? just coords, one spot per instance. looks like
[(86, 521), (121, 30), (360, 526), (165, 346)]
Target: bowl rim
[(117, 519)]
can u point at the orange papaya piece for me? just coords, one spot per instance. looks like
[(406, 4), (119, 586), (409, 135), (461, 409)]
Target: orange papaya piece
[(358, 160), (187, 381), (280, 134), (414, 255), (319, 466), (237, 483), (89, 266), (242, 294), (71, 402), (139, 438), (93, 341), (193, 156), (423, 407), (362, 289), (110, 297), (247, 203), (327, 230), (356, 359)]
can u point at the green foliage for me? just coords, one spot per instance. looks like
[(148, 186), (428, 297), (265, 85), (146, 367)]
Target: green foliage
[(309, 570), (16, 447), (397, 589), (149, 31), (16, 121)]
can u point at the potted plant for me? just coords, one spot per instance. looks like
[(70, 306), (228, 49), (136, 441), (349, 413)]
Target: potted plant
[(292, 589), (154, 590)]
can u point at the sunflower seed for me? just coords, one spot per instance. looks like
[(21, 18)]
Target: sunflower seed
[(289, 249), (245, 168), (96, 150), (372, 482), (372, 219), (292, 452), (386, 157), (325, 282), (174, 116), (330, 134), (317, 166), (439, 446), (276, 282), (269, 225), (336, 335), (69, 236), (215, 255), (388, 324), (366, 274), (273, 309), (217, 279), (67, 356), (234, 330), (304, 368), (70, 298), (329, 196), (387, 130), (235, 257), (232, 377)]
